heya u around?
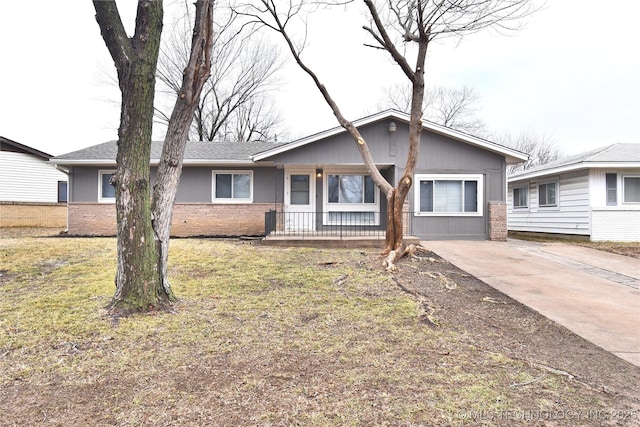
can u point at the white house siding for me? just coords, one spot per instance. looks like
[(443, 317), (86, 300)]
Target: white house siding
[(620, 223), (27, 178), (615, 223), (571, 216)]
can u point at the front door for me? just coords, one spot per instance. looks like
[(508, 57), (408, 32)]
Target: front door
[(299, 200)]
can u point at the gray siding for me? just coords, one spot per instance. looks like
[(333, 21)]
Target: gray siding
[(195, 184), (438, 155)]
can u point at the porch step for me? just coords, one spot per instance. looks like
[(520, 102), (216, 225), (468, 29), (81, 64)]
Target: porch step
[(330, 242)]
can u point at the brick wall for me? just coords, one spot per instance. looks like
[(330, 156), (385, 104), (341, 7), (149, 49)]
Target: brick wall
[(498, 221), (189, 219), (616, 224), (25, 214)]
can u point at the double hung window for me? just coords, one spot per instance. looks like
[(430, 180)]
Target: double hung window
[(547, 194), (520, 197)]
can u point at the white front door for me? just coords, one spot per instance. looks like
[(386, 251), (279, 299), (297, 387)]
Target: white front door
[(299, 200)]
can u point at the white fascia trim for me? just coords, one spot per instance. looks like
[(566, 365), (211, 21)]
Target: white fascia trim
[(574, 167), (513, 156), (330, 132)]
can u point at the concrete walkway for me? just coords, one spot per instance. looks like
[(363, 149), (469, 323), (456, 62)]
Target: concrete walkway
[(595, 294)]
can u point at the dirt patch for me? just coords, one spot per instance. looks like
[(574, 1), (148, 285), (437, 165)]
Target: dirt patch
[(310, 337)]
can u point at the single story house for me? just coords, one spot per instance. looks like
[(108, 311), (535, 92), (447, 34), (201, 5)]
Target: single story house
[(594, 194), (33, 193), (312, 184)]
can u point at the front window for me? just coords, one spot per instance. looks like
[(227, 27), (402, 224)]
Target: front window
[(106, 190), (232, 186), (449, 195), (547, 194), (520, 199), (631, 186), (352, 199), (351, 189)]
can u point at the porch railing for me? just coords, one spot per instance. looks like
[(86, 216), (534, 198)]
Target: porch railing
[(328, 224)]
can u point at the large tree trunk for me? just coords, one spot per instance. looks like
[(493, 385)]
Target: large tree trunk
[(138, 285), (169, 170)]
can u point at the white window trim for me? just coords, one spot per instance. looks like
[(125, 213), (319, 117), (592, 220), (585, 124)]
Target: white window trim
[(348, 207), (479, 178), (513, 196), (624, 202), (231, 200), (550, 207), (100, 198)]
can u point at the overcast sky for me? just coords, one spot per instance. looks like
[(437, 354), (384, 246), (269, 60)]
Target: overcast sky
[(572, 74)]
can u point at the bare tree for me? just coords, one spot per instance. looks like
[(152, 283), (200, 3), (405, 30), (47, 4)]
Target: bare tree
[(418, 23), (235, 103), (454, 108), (140, 277), (540, 148)]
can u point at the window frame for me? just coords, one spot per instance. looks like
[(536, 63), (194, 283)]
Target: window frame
[(624, 190), (524, 188), (231, 200), (613, 191), (102, 199), (332, 207), (65, 194), (478, 178), (556, 205)]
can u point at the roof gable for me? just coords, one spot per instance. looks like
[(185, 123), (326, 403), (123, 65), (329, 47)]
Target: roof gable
[(512, 156), (7, 144)]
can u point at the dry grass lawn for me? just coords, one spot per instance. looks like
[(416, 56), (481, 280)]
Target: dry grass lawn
[(267, 336)]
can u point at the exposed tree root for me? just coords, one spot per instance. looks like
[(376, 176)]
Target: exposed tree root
[(395, 255)]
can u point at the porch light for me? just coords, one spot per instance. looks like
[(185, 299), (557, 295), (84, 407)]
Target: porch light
[(319, 173), (392, 127)]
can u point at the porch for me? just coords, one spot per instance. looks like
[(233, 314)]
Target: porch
[(329, 230)]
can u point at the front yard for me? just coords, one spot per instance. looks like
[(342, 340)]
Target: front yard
[(269, 336)]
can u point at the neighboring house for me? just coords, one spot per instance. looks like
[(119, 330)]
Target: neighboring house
[(314, 183), (595, 194), (33, 193)]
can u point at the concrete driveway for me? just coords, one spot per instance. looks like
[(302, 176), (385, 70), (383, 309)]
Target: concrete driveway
[(595, 294)]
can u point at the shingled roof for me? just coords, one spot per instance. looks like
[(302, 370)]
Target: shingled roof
[(195, 152), (615, 155)]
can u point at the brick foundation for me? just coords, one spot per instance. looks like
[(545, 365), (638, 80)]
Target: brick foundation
[(192, 219), (25, 214), (498, 221)]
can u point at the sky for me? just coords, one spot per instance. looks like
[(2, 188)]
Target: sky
[(572, 74)]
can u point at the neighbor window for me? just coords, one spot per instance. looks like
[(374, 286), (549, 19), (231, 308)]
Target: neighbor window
[(351, 189), (62, 191), (232, 186), (612, 189), (520, 197), (106, 191), (631, 188), (547, 194), (448, 195)]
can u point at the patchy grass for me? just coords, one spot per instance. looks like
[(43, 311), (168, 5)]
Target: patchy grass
[(268, 336)]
